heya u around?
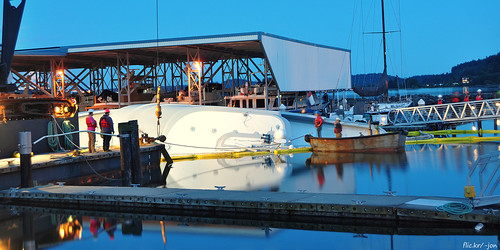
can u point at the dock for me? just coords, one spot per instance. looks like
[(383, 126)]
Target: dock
[(78, 169), (300, 207)]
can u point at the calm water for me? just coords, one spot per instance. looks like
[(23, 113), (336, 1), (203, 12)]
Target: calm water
[(438, 170)]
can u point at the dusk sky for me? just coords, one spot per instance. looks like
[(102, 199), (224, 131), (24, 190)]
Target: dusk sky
[(435, 35)]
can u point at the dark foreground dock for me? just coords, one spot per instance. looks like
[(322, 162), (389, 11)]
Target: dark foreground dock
[(255, 205), (79, 169)]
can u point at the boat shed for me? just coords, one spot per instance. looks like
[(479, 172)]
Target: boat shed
[(190, 63)]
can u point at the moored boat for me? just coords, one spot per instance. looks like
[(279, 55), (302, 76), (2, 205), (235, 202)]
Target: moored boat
[(389, 142)]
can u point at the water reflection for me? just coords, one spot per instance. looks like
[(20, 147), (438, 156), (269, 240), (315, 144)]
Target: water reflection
[(248, 173), (27, 230), (42, 230)]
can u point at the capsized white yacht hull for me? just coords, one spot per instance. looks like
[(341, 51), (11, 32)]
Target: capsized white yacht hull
[(191, 129)]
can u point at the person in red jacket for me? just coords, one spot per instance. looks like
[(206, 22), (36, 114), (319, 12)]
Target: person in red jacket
[(440, 99), (338, 128), (466, 97), (455, 98), (106, 124), (91, 125), (478, 96), (318, 122)]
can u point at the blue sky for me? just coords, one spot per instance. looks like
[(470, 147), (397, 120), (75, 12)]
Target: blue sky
[(435, 35)]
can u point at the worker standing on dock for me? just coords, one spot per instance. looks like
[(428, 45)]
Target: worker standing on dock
[(91, 125), (318, 123), (338, 128), (106, 124)]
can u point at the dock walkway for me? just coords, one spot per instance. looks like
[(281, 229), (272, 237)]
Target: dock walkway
[(64, 166), (247, 204)]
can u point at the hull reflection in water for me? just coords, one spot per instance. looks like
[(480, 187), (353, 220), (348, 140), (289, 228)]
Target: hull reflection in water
[(397, 159), (248, 173)]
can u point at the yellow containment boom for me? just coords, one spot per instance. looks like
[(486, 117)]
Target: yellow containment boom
[(240, 154), (468, 139), (453, 132)]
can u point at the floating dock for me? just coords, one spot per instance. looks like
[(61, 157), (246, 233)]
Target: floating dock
[(78, 168), (292, 207)]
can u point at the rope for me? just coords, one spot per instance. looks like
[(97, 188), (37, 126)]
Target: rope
[(226, 148), (52, 141), (455, 208)]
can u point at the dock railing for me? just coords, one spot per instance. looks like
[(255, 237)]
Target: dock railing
[(460, 112), (490, 161)]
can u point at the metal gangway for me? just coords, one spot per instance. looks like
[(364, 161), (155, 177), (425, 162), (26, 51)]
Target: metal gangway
[(487, 166), (452, 113)]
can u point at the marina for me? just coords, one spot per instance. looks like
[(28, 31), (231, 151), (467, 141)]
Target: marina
[(240, 140)]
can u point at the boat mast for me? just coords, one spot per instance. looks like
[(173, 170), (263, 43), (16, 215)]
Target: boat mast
[(385, 52)]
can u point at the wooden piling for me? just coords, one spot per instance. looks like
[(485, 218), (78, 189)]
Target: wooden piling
[(129, 153), (25, 159)]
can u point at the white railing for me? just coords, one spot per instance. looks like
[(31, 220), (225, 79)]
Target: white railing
[(460, 112)]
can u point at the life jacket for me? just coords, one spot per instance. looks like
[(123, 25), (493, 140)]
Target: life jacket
[(91, 124), (479, 98), (104, 122), (318, 121), (440, 101), (466, 98)]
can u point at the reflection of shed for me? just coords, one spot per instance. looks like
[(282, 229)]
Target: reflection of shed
[(275, 64)]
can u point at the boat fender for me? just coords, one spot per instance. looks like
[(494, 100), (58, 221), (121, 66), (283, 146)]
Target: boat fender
[(279, 134), (307, 138)]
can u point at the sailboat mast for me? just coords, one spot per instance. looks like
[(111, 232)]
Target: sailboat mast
[(383, 36), (386, 94)]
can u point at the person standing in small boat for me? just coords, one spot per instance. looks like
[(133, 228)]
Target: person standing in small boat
[(91, 125), (106, 124), (338, 128), (318, 123)]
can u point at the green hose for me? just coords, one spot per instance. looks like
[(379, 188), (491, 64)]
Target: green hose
[(52, 141), (455, 208), (68, 139)]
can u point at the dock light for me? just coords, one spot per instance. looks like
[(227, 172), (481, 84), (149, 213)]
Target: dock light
[(474, 128), (472, 107), (498, 122), (302, 111), (57, 109), (383, 120), (60, 72), (197, 65), (497, 104)]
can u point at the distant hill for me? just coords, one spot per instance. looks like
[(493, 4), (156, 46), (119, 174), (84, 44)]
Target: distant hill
[(481, 72)]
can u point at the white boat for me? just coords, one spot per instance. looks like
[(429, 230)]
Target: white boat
[(191, 129)]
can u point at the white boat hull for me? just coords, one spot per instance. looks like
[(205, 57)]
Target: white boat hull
[(192, 129)]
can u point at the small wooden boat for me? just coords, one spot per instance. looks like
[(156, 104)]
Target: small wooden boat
[(389, 142)]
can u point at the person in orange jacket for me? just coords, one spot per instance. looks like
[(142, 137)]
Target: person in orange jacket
[(318, 122)]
